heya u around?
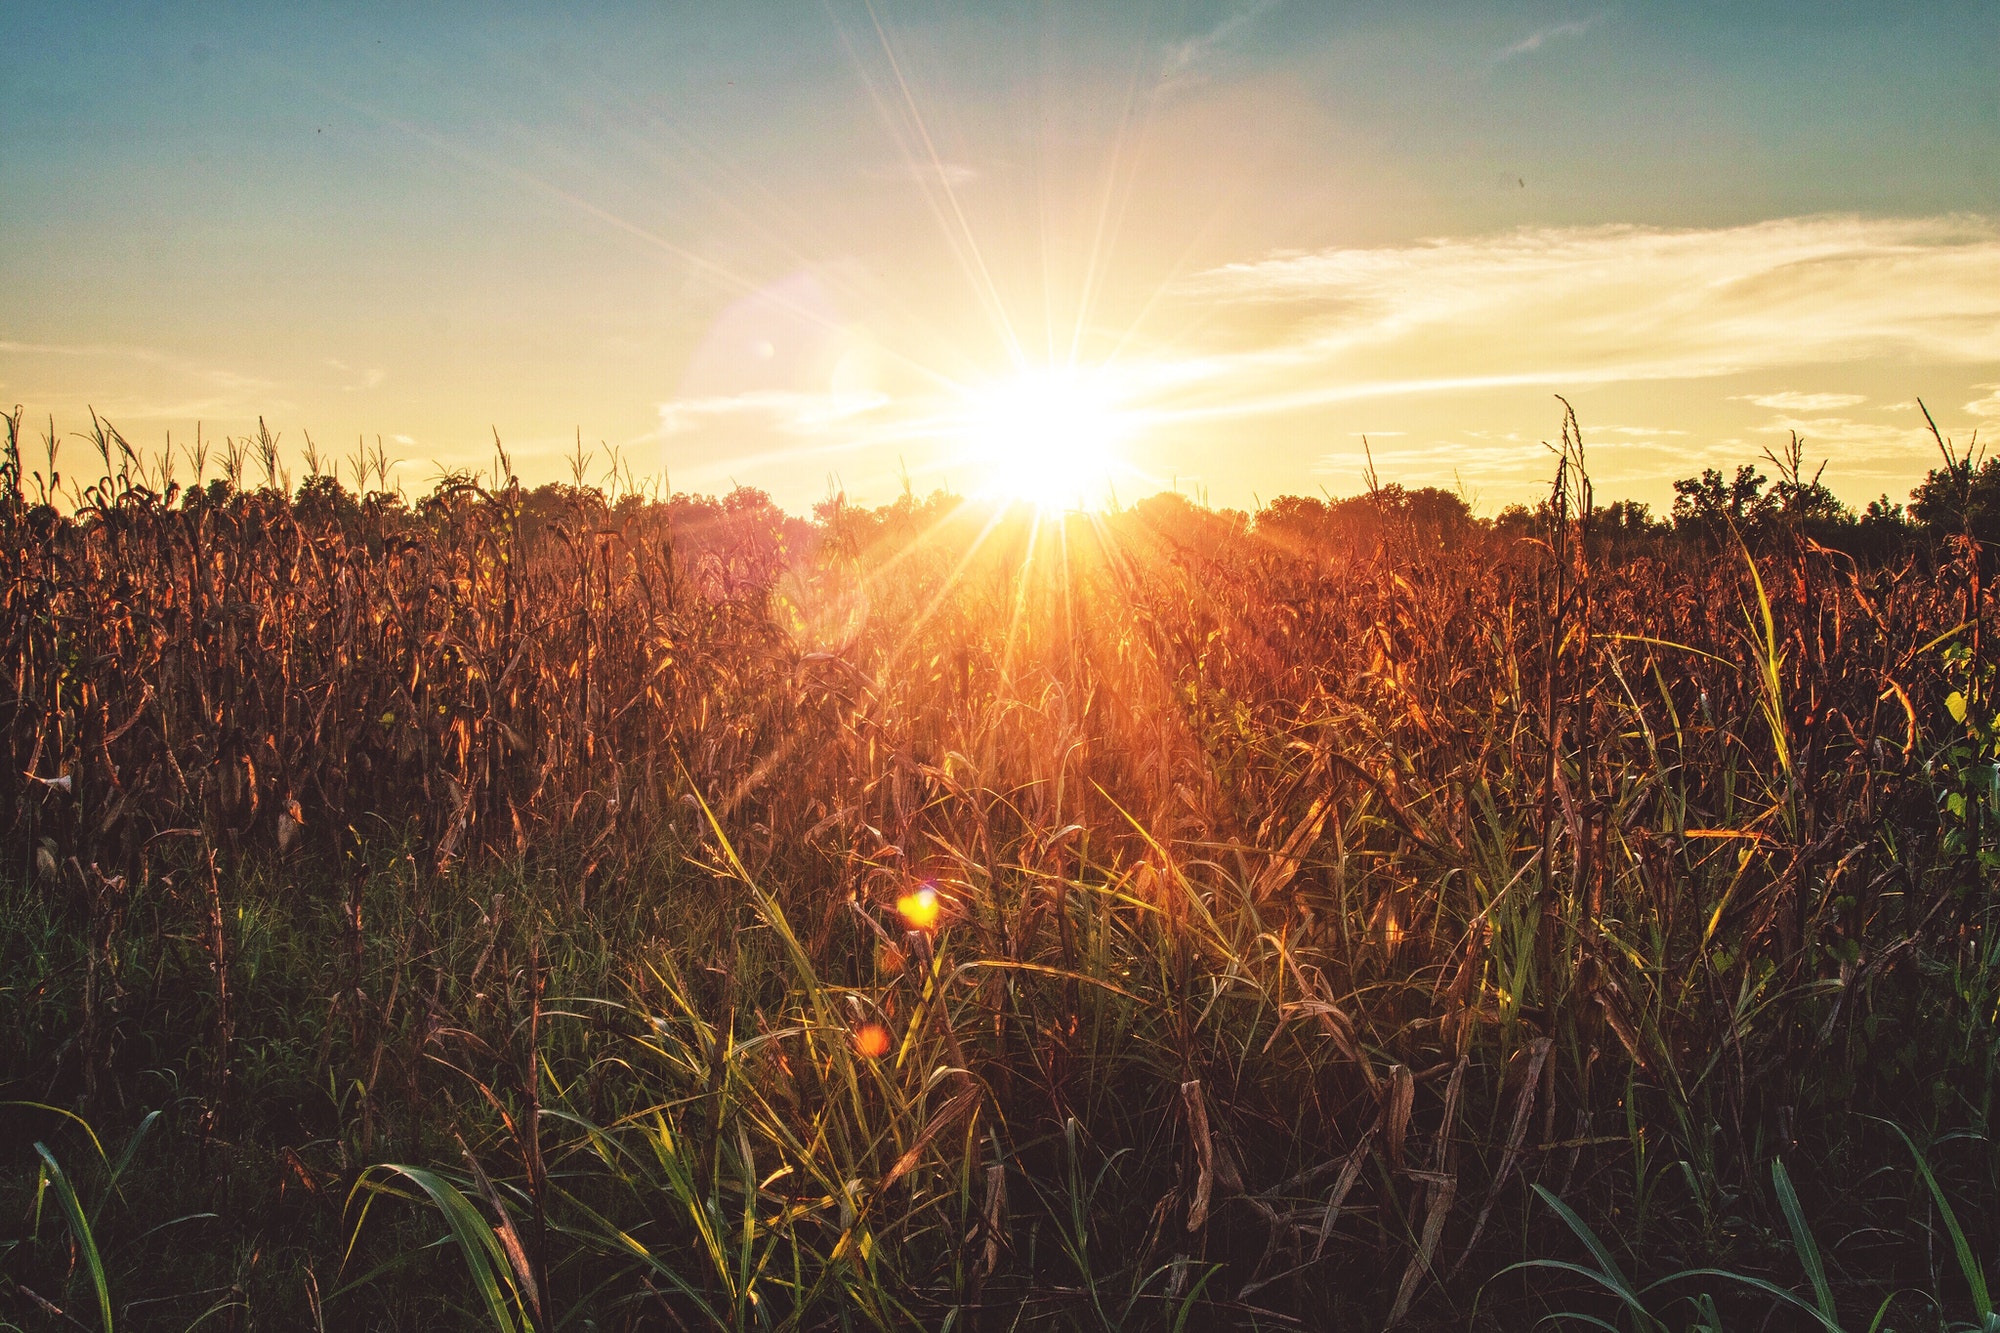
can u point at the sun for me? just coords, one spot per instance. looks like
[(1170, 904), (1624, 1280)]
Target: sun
[(1050, 438)]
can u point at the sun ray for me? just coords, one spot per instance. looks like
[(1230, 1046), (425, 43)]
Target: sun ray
[(957, 228)]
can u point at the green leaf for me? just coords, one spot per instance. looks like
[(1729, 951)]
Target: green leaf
[(1607, 1273), (1968, 1263), (492, 1275), (79, 1230), (1802, 1241), (1954, 703)]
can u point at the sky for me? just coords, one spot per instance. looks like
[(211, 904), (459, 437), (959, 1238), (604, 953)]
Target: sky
[(1208, 247)]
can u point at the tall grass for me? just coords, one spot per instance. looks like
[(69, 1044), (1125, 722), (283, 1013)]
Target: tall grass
[(500, 898)]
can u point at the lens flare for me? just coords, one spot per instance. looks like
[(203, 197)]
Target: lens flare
[(871, 1041), (920, 910)]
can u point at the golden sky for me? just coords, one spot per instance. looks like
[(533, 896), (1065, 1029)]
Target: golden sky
[(809, 246)]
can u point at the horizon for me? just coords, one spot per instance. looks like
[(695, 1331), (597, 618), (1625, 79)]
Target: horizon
[(616, 485), (860, 246)]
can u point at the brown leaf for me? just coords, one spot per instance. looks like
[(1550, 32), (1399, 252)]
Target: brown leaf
[(1350, 1171), (1517, 1135), (1442, 1191), (1196, 1108), (1285, 861), (960, 1103), (1401, 1093), (993, 1218)]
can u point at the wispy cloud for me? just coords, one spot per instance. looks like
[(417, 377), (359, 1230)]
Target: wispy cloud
[(1578, 306), (1802, 402), (1184, 60), (1988, 406), (1864, 449), (152, 384), (1541, 37)]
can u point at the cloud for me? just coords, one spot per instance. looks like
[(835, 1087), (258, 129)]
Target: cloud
[(152, 385), (1802, 402), (125, 351), (1183, 62), (1598, 305), (1989, 406), (1870, 450), (372, 378), (1536, 40)]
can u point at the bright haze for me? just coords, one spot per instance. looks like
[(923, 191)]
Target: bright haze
[(1050, 250)]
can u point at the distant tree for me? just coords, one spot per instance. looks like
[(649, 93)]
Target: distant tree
[(1433, 511), (1881, 532), (1960, 498), (1297, 522), (848, 529), (1357, 520), (214, 495), (1709, 506), (1518, 520), (1625, 518), (749, 499), (1179, 520), (322, 497), (1884, 512), (1360, 523)]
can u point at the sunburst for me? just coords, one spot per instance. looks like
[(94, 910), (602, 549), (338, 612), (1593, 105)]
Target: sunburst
[(1048, 437)]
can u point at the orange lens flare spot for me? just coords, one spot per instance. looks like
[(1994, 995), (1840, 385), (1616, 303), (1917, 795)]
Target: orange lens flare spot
[(871, 1041), (920, 910)]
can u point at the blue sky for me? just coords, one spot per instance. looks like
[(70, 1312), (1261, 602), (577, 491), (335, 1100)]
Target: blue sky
[(795, 245)]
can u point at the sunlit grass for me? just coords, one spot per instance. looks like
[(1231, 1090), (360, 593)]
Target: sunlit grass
[(532, 908)]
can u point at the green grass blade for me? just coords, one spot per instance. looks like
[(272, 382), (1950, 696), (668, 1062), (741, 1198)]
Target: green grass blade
[(1968, 1262), (125, 1160), (606, 1237), (80, 1122), (229, 1303), (1802, 1241), (1607, 1274), (1770, 1289), (79, 1228), (1615, 1276), (492, 1276), (1625, 1294)]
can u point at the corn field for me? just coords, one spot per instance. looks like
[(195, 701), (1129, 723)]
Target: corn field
[(588, 908)]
